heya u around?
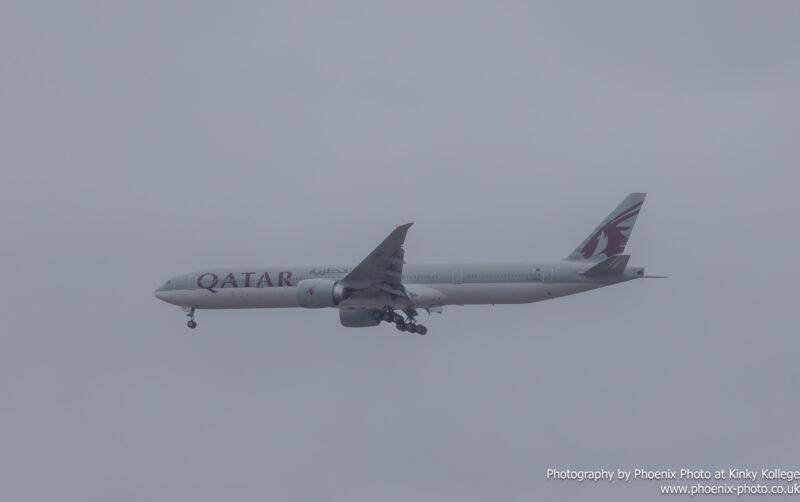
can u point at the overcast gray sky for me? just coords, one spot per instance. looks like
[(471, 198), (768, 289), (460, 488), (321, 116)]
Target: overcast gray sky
[(139, 140)]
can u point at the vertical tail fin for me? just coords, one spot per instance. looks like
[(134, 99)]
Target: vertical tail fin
[(610, 237)]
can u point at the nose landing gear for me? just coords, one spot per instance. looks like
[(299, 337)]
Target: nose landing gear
[(191, 323)]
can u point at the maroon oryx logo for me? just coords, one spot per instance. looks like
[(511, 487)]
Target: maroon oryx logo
[(615, 233)]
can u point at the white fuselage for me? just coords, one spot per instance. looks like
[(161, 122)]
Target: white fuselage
[(428, 286)]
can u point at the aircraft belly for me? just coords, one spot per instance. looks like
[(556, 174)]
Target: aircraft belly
[(238, 298), (499, 293)]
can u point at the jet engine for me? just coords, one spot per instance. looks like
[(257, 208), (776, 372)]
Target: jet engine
[(319, 293), (357, 318)]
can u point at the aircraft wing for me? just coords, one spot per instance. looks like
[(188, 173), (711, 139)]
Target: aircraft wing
[(382, 269)]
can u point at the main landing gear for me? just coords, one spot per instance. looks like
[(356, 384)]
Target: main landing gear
[(191, 323), (403, 325)]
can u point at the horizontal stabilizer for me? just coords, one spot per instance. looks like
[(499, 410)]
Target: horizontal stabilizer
[(610, 266)]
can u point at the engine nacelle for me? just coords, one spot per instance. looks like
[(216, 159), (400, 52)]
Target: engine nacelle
[(357, 318), (319, 293)]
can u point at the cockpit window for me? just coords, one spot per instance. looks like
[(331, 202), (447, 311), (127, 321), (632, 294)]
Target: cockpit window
[(174, 284)]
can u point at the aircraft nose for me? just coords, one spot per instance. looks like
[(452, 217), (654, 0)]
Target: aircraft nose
[(161, 292), (170, 290)]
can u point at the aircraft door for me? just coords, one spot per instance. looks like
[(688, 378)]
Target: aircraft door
[(458, 276), (547, 275)]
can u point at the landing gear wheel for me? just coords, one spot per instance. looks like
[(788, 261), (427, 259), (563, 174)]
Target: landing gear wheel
[(377, 315), (397, 318), (401, 326), (412, 328), (388, 316), (421, 330), (190, 315)]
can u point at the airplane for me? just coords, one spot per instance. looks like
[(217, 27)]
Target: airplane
[(382, 284)]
